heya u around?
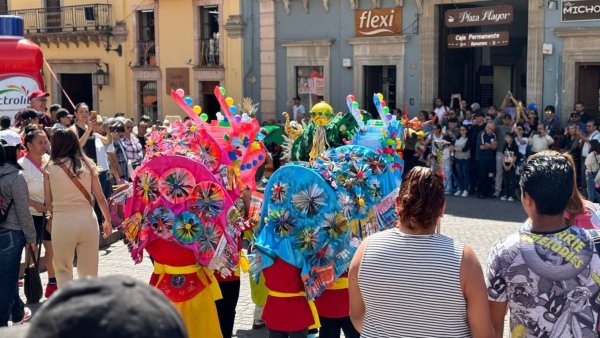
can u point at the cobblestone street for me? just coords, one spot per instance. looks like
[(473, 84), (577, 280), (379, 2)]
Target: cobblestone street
[(475, 222)]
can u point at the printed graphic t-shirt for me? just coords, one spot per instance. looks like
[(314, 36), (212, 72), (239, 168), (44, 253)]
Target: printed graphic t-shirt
[(550, 281)]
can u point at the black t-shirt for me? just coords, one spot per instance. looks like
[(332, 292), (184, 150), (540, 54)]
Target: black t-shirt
[(474, 132), (514, 150), (89, 148), (142, 141)]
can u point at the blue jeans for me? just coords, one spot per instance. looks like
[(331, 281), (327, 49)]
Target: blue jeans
[(11, 248), (592, 196), (447, 169), (462, 174)]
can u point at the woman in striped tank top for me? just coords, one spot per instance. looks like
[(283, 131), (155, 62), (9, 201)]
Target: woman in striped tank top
[(410, 281)]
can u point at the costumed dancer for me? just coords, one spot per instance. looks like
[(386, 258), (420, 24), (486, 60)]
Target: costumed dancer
[(181, 210)]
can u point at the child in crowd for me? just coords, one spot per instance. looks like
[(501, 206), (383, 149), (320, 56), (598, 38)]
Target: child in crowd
[(509, 176)]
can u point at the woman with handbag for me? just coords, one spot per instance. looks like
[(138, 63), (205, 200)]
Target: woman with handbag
[(36, 144), (70, 180), (16, 228)]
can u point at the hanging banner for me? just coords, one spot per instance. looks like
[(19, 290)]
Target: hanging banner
[(580, 10), (479, 16), (484, 39)]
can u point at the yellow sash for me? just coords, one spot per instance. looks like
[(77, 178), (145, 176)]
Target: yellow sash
[(311, 304), (340, 284), (211, 282)]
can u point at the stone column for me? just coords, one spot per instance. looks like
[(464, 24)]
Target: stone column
[(267, 59), (535, 57)]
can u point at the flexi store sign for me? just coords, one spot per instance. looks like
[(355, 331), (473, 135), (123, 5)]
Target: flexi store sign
[(378, 22)]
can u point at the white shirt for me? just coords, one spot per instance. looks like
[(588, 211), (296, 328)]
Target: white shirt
[(297, 110), (522, 147), (101, 153), (35, 180), (586, 147), (439, 112)]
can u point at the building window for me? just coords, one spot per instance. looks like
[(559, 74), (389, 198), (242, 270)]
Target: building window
[(3, 6), (209, 36), (147, 99), (146, 44), (310, 85)]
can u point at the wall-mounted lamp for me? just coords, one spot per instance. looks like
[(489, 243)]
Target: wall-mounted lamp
[(107, 46), (552, 5), (100, 77)]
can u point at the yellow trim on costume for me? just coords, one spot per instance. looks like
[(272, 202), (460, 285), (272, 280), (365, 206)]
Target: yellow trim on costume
[(175, 270), (207, 277), (244, 262), (340, 284), (311, 304)]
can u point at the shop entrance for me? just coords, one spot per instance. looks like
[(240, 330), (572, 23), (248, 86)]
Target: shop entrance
[(210, 104), (79, 88), (483, 74), (379, 79), (588, 87)]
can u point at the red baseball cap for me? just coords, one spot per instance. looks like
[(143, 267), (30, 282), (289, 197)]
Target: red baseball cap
[(34, 94)]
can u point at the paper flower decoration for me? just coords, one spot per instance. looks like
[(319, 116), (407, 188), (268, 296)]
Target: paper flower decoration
[(281, 221), (176, 184), (360, 203), (307, 239), (209, 154), (374, 189), (348, 156), (376, 164), (207, 200), (335, 225), (323, 256), (346, 204), (147, 186), (187, 228), (358, 173), (279, 192), (309, 200), (210, 235), (161, 220)]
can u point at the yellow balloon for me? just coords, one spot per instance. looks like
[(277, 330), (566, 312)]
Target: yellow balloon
[(380, 96), (229, 101), (197, 109)]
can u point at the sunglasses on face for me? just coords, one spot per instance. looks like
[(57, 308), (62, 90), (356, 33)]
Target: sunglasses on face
[(321, 114)]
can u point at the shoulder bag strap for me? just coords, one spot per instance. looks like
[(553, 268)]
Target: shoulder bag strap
[(78, 184)]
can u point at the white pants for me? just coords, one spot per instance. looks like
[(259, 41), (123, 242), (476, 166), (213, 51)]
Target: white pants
[(499, 171)]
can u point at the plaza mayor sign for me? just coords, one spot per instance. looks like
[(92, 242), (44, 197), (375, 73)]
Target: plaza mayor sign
[(378, 22), (479, 16), (580, 10)]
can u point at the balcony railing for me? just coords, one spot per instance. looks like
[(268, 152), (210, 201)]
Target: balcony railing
[(209, 52), (66, 19), (146, 53)]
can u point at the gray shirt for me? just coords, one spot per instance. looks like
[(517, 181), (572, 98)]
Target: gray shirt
[(13, 187), (501, 132)]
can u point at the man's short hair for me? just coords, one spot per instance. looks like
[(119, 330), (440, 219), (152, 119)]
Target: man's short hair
[(548, 179), (5, 122), (453, 120), (55, 107), (146, 119)]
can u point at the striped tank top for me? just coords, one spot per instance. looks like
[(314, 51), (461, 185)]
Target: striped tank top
[(410, 285)]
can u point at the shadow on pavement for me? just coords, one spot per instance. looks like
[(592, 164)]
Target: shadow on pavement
[(262, 333), (488, 209)]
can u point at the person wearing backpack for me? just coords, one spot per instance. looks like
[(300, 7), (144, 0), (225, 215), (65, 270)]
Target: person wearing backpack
[(16, 228)]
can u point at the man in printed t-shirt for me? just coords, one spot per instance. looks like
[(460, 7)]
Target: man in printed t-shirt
[(548, 273)]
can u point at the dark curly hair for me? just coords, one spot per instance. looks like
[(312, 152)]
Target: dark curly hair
[(420, 202)]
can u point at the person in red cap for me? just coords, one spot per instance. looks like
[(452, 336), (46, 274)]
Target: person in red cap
[(38, 100)]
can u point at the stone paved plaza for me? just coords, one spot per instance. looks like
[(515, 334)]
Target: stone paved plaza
[(475, 222)]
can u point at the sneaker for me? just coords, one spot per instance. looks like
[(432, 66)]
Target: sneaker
[(503, 198), (465, 194), (447, 192), (510, 199), (26, 316), (258, 324), (457, 193), (496, 194), (50, 289)]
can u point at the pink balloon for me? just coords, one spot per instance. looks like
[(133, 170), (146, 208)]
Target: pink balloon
[(180, 92), (352, 98)]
